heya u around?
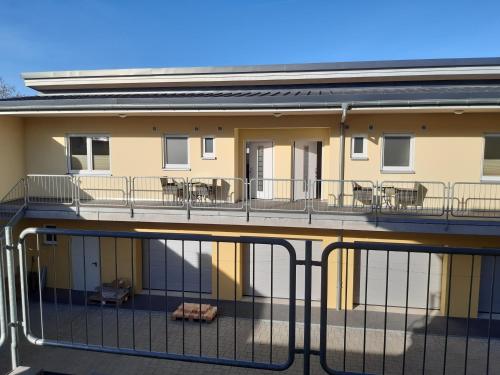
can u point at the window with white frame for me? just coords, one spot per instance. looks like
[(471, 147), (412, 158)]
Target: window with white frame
[(50, 239), (88, 153), (359, 147), (491, 157), (176, 152), (398, 153), (208, 147)]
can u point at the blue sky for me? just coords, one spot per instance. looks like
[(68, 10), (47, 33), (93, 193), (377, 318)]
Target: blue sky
[(92, 34)]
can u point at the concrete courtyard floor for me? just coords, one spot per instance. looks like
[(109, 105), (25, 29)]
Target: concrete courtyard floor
[(154, 331)]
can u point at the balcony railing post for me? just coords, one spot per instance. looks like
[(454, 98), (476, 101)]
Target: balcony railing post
[(76, 197), (448, 206), (309, 199), (246, 198), (26, 191), (187, 198), (131, 194)]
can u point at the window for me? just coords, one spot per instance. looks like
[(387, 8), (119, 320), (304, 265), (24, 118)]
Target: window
[(50, 239), (176, 152), (209, 147), (88, 154), (491, 157), (359, 147), (397, 153)]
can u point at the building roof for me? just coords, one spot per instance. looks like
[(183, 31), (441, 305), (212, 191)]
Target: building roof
[(312, 96), (316, 73)]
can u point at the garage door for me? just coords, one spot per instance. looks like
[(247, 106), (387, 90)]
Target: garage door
[(396, 296), (485, 290), (281, 270), (161, 255)]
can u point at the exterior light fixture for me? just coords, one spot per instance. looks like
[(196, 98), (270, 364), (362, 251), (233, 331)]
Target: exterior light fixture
[(459, 111), (277, 114), (122, 115)]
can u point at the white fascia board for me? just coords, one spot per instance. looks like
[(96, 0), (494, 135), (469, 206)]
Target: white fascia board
[(85, 79)]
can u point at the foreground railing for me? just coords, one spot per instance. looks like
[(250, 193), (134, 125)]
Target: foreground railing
[(70, 307), (392, 308), (319, 197), (3, 301)]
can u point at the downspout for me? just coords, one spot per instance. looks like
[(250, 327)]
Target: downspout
[(345, 109)]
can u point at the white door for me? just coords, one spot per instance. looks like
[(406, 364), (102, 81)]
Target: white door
[(160, 272), (305, 166), (85, 263), (398, 271), (261, 169)]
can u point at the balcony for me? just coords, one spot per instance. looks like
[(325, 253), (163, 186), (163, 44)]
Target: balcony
[(348, 204)]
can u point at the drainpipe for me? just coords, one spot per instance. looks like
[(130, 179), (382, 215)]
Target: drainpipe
[(345, 108)]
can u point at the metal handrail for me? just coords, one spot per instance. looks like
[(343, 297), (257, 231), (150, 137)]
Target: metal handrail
[(413, 201), (284, 200), (116, 195), (484, 207), (343, 202), (154, 197), (207, 198), (53, 189)]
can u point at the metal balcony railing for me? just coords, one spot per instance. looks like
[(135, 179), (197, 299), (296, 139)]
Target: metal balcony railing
[(319, 197)]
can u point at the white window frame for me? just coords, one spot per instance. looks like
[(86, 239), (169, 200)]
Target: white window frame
[(488, 178), (89, 154), (208, 155), (393, 169), (45, 240), (356, 155), (176, 167)]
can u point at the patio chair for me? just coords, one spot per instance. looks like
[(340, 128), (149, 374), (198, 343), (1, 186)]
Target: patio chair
[(173, 188), (362, 194), (411, 197)]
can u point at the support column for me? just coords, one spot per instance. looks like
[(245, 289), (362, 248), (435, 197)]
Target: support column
[(458, 284), (347, 270), (227, 271)]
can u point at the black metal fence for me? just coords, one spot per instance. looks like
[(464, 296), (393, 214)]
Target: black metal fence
[(384, 308)]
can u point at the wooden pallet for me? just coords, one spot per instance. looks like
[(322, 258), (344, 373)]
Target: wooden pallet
[(109, 296), (193, 312)]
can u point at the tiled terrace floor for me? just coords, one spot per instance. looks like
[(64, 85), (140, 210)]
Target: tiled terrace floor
[(154, 336)]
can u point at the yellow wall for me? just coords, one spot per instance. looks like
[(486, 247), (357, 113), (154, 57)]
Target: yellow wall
[(11, 152), (459, 277), (450, 148)]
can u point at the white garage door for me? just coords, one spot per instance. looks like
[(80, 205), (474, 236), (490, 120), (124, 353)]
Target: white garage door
[(281, 270), (396, 296), (164, 258)]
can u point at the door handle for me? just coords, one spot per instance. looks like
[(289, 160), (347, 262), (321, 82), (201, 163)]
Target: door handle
[(94, 264)]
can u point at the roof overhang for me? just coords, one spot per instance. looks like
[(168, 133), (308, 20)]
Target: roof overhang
[(370, 71)]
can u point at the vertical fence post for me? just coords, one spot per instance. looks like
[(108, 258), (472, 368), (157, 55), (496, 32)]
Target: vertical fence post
[(307, 308), (131, 194), (309, 200), (246, 198), (11, 282), (448, 205), (187, 197), (76, 195), (26, 196)]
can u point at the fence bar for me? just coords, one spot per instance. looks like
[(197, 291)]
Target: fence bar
[(307, 307), (3, 302), (11, 277)]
